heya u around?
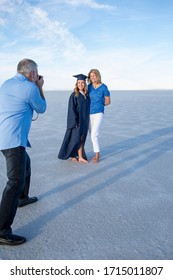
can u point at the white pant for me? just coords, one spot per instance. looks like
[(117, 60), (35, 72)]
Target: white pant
[(95, 121)]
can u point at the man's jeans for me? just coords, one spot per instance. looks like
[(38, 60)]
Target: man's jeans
[(17, 186)]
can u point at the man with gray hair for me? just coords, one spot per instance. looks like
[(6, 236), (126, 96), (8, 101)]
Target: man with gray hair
[(20, 96)]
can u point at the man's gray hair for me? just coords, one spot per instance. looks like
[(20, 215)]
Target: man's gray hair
[(26, 66)]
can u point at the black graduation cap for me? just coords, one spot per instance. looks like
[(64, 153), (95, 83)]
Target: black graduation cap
[(80, 77)]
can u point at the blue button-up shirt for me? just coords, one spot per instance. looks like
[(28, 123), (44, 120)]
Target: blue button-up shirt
[(18, 98)]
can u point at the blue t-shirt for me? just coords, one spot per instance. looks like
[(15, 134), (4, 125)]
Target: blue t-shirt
[(97, 98)]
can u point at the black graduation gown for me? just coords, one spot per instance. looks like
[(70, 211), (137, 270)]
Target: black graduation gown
[(77, 126)]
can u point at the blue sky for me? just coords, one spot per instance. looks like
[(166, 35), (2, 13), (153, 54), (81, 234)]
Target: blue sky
[(129, 41)]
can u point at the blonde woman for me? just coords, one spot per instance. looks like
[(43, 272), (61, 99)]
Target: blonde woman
[(77, 123), (99, 98)]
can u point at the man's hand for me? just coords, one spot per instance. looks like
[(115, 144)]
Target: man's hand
[(39, 83)]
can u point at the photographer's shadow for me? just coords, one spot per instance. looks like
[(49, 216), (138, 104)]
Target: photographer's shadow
[(151, 153)]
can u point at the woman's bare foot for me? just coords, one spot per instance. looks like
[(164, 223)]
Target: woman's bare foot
[(95, 159), (74, 159), (82, 160)]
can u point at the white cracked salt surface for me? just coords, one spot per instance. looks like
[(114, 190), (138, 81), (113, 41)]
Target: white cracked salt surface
[(120, 209)]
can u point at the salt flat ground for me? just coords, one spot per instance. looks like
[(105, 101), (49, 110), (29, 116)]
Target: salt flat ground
[(121, 208)]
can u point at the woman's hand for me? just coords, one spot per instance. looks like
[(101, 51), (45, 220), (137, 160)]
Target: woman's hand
[(107, 100)]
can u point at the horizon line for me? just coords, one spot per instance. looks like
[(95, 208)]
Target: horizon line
[(149, 89)]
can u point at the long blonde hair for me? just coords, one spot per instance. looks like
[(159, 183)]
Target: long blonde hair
[(98, 75), (76, 89)]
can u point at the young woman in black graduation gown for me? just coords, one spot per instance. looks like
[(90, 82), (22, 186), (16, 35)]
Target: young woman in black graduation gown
[(77, 123)]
